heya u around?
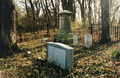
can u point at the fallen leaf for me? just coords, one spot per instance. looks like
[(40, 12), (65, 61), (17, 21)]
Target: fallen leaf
[(115, 77), (107, 69)]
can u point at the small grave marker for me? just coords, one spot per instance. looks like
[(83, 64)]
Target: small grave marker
[(88, 41), (75, 39)]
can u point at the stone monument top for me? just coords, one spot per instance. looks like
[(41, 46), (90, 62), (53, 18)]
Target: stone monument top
[(64, 12)]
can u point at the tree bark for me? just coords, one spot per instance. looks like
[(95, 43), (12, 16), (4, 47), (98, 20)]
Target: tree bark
[(68, 5), (82, 11), (26, 8), (89, 14), (33, 15), (38, 7), (95, 11), (64, 4), (105, 21), (7, 27), (74, 11), (55, 13)]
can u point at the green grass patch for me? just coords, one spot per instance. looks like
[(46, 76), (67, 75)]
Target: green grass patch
[(115, 52)]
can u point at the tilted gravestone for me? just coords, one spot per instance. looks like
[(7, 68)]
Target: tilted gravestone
[(88, 41), (75, 39), (60, 54), (65, 26)]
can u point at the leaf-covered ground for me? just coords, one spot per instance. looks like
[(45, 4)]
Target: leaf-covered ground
[(102, 61)]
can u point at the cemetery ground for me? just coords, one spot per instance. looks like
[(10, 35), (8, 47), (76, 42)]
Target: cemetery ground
[(101, 61)]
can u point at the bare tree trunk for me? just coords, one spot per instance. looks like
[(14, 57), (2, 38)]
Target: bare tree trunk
[(68, 5), (47, 17), (95, 11), (99, 15), (82, 15), (64, 4), (33, 15), (38, 7), (55, 13), (7, 27), (89, 14), (82, 11), (105, 21), (74, 12), (26, 8)]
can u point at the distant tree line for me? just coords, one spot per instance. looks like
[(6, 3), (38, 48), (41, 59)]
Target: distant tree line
[(43, 14), (49, 17)]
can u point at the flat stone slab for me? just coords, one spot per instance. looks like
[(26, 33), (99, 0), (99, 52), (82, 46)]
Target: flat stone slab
[(60, 54), (46, 39)]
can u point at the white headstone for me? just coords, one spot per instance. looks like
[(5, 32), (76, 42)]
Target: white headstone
[(88, 40), (75, 39), (60, 54), (119, 47)]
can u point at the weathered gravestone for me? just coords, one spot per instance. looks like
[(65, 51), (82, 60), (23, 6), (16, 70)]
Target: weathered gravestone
[(88, 41), (60, 54), (65, 26), (75, 39)]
